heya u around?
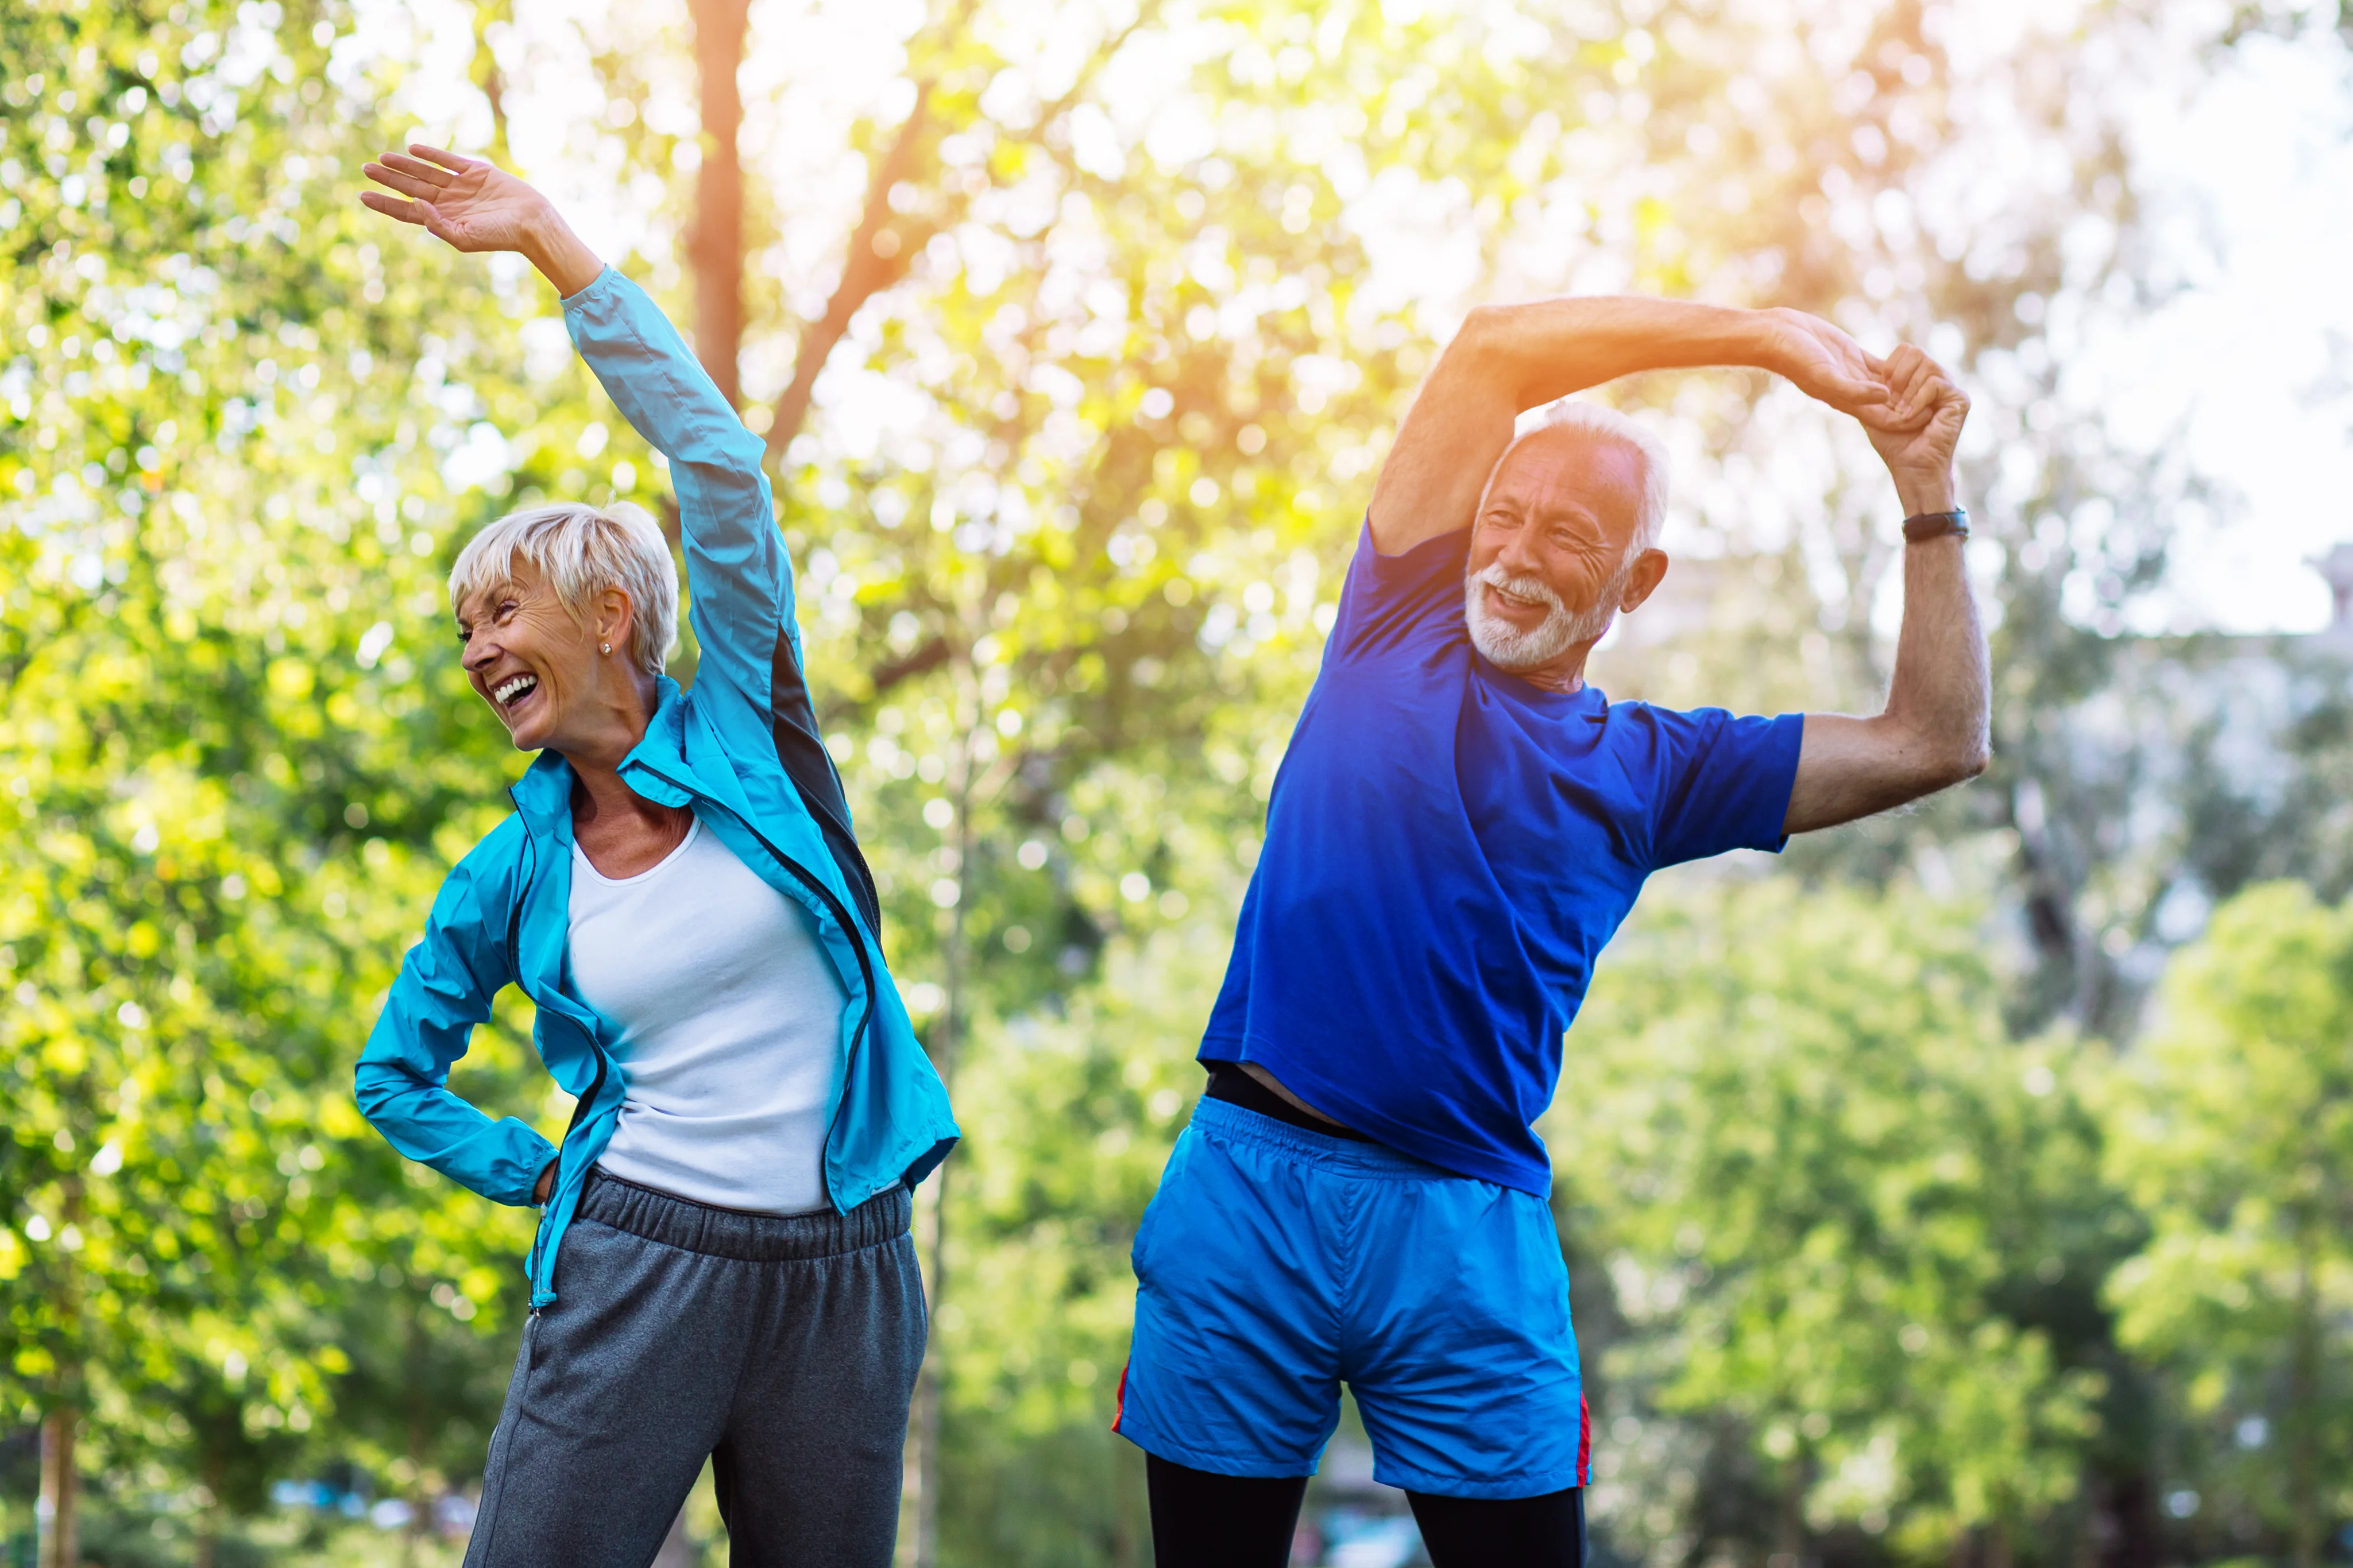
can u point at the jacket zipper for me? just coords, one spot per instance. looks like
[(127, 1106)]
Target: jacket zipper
[(580, 1107)]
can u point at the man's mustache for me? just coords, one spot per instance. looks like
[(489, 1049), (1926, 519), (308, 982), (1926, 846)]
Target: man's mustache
[(1535, 590)]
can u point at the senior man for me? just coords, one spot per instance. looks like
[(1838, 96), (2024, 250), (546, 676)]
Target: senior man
[(1460, 824)]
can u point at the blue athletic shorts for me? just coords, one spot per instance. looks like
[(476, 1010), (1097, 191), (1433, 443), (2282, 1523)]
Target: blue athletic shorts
[(1275, 1263)]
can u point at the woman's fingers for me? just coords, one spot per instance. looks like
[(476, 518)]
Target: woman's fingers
[(407, 184), (419, 213), (417, 169), (456, 163)]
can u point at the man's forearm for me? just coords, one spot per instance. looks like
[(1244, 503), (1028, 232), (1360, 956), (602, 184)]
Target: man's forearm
[(1511, 358), (1547, 349), (1932, 734), (1942, 689)]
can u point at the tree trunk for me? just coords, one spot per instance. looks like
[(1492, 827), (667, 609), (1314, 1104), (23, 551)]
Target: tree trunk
[(419, 1519), (877, 257), (947, 1043), (488, 76), (884, 243), (1131, 1510), (1790, 1516), (715, 248), (2304, 1414), (60, 1488), (929, 1392), (209, 1517), (60, 1479)]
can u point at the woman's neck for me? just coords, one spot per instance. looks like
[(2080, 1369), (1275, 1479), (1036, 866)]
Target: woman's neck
[(620, 831), (596, 757)]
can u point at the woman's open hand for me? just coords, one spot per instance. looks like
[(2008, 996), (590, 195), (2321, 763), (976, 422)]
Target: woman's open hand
[(472, 205)]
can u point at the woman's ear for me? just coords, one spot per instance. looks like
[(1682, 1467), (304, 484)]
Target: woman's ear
[(615, 617)]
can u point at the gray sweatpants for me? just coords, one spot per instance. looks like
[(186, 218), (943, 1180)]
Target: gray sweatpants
[(783, 1347)]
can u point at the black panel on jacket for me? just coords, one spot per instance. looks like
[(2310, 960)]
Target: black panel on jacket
[(810, 767)]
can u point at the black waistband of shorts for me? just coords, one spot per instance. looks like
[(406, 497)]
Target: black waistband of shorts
[(1229, 1083), (682, 1223)]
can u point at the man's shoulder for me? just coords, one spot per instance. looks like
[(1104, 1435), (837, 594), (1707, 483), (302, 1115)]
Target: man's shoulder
[(1400, 606), (1684, 748)]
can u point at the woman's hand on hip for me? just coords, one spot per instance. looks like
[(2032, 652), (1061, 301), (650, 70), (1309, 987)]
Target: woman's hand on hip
[(471, 205)]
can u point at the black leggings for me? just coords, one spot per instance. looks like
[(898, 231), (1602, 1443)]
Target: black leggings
[(1200, 1520)]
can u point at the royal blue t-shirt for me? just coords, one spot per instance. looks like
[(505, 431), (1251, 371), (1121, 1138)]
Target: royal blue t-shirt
[(1446, 850)]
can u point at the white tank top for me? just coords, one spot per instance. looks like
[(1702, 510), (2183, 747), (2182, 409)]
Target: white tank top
[(730, 1016)]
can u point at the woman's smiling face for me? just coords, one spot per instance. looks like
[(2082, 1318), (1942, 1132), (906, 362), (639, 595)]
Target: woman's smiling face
[(531, 658)]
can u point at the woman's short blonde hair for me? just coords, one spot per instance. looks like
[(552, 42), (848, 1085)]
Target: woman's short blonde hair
[(582, 550)]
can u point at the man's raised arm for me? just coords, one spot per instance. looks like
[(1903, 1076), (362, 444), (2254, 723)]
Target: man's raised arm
[(1933, 732), (1511, 358)]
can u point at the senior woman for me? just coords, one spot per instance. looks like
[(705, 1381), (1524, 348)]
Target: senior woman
[(723, 1267)]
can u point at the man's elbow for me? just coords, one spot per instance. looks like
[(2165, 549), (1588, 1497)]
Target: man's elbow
[(1958, 764), (1478, 344)]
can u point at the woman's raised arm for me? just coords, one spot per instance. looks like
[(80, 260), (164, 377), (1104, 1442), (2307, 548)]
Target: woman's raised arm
[(738, 578)]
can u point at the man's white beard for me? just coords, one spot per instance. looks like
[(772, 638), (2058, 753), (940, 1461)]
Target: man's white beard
[(1505, 647)]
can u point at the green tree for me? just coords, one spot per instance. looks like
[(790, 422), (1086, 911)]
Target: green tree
[(2232, 1126), (1822, 1185), (233, 446)]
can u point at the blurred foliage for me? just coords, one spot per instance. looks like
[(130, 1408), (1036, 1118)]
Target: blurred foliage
[(1892, 1241), (2232, 1130), (1840, 1210)]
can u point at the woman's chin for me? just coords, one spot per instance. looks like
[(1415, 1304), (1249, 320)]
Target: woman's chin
[(527, 736)]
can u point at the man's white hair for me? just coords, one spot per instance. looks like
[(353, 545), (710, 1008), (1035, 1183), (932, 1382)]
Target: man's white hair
[(1606, 424), (581, 550)]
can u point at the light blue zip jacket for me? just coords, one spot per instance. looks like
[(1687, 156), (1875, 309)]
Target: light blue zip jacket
[(743, 750)]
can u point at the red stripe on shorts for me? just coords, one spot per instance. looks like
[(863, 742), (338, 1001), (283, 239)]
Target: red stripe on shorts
[(1584, 1436), (1119, 1405)]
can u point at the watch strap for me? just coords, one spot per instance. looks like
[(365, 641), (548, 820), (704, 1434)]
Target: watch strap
[(1926, 525)]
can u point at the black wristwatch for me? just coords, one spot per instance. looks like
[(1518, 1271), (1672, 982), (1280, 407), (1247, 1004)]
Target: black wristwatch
[(1926, 525)]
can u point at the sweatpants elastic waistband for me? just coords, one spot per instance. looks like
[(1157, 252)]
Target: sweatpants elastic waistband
[(691, 1226), (1377, 1161)]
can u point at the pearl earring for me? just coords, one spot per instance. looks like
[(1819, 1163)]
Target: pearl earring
[(608, 647)]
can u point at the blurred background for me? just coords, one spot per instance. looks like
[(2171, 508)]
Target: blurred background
[(1973, 1186)]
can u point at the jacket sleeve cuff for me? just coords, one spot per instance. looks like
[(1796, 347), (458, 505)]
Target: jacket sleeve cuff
[(595, 298), (515, 1172)]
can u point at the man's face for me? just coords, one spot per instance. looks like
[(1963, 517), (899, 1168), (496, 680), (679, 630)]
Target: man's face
[(1549, 562)]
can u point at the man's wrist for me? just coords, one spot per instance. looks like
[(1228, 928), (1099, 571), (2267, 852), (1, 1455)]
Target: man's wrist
[(1783, 340), (1922, 493), (1765, 340)]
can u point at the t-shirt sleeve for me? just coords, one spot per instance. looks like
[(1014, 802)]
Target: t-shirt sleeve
[(1390, 601), (1721, 782)]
